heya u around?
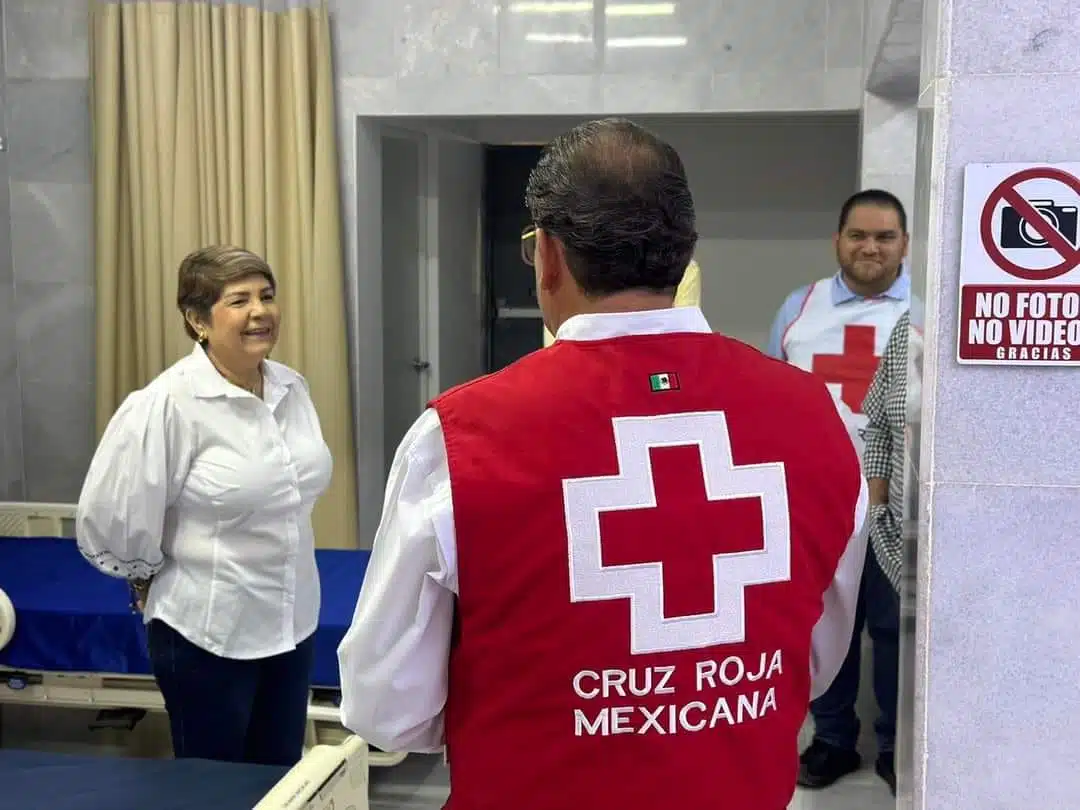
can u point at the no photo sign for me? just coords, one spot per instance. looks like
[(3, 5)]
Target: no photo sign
[(1020, 265)]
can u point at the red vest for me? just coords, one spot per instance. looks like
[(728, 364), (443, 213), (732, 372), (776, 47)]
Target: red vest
[(583, 673)]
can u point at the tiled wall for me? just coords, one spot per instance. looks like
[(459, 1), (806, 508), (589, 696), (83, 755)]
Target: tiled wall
[(485, 56), (51, 271), (429, 57), (998, 705), (11, 456), (888, 147)]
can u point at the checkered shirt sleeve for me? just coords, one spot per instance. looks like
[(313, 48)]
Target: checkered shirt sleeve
[(877, 457), (885, 409)]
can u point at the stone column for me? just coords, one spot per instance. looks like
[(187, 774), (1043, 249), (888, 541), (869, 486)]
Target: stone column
[(887, 146), (996, 703)]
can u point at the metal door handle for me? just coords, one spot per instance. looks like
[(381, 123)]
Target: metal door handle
[(420, 365)]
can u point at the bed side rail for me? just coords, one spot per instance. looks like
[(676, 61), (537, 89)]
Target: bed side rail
[(37, 519)]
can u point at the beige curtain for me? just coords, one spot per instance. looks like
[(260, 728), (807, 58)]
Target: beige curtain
[(687, 295), (214, 122)]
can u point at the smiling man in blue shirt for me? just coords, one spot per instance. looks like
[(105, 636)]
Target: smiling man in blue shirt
[(838, 328)]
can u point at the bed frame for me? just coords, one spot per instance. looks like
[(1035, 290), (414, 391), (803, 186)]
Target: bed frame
[(329, 777), (91, 690)]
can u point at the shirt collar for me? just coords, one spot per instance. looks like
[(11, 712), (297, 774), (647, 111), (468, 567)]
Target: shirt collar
[(207, 382), (600, 326), (900, 289)]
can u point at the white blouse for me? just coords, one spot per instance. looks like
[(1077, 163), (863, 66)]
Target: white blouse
[(210, 490)]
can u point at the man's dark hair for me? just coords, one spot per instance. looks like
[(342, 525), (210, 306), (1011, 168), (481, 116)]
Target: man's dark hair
[(873, 196), (617, 197)]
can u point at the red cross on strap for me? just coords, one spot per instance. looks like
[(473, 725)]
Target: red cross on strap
[(853, 370), (682, 532)]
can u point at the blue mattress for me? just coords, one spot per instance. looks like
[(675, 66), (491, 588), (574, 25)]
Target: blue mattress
[(63, 782), (71, 618)]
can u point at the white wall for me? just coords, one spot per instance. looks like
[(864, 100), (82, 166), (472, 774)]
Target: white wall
[(405, 239), (767, 190), (767, 194), (887, 147), (460, 279)]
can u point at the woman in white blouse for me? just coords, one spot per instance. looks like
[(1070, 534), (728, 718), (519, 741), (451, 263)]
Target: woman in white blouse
[(200, 494)]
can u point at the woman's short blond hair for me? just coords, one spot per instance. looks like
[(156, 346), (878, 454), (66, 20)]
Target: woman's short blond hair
[(206, 272)]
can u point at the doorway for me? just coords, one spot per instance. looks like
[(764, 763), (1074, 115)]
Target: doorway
[(515, 326)]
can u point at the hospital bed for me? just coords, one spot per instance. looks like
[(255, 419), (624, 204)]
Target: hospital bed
[(69, 638), (328, 778)]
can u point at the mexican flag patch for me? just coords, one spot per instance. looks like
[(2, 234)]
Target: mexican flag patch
[(668, 381)]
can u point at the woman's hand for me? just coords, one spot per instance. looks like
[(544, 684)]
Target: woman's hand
[(140, 589)]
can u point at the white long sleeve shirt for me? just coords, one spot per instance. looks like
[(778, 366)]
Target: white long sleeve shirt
[(394, 658), (209, 490)]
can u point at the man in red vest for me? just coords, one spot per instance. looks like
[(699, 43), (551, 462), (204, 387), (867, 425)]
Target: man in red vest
[(612, 574)]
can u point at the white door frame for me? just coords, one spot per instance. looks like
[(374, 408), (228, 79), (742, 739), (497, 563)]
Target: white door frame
[(427, 259)]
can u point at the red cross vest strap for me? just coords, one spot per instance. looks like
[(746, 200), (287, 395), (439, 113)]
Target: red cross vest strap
[(842, 343), (641, 560)]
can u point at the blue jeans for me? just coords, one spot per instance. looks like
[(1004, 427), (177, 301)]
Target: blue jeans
[(835, 720), (231, 710)]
